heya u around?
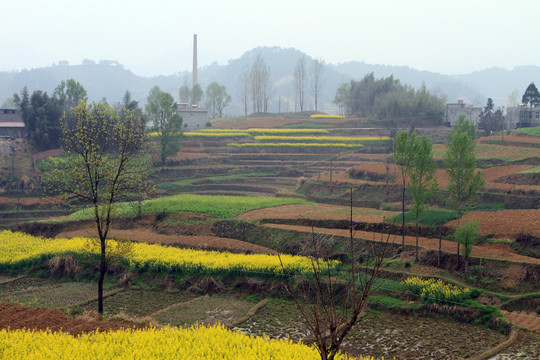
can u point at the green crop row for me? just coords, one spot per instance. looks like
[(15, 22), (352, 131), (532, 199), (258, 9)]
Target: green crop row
[(220, 207), (304, 145), (320, 139)]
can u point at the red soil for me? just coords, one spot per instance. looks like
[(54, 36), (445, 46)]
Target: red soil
[(19, 317), (506, 223)]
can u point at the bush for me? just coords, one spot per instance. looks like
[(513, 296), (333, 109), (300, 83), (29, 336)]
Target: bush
[(436, 291)]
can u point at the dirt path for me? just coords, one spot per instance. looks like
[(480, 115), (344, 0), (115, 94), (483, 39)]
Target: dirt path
[(149, 236), (484, 250), (529, 321)]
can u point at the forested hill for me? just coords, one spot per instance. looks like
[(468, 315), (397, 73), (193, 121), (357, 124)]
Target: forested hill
[(110, 80)]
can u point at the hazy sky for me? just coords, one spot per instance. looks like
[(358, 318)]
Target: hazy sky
[(437, 35)]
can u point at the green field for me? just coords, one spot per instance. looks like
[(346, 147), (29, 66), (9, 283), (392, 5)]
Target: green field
[(534, 131), (219, 207)]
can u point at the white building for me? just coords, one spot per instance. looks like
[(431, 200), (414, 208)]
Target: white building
[(522, 116), (455, 110), (194, 118)]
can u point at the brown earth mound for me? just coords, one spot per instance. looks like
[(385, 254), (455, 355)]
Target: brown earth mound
[(19, 317)]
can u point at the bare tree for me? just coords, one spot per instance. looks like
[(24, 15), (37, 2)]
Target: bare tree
[(300, 80), (260, 85), (329, 323), (244, 87), (317, 68)]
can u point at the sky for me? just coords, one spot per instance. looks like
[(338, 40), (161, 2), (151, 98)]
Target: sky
[(155, 37)]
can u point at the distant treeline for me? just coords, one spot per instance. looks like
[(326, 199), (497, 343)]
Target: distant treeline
[(388, 99)]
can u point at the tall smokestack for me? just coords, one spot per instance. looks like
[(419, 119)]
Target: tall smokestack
[(195, 80)]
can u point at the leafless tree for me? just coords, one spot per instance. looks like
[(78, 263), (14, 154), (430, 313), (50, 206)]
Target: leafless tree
[(260, 85), (244, 88), (300, 80), (328, 322), (317, 68)]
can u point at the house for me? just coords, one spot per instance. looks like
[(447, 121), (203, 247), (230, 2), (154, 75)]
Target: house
[(194, 118), (455, 110), (522, 116), (11, 124)]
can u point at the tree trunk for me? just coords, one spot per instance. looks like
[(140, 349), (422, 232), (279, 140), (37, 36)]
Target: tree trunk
[(440, 246), (403, 218), (102, 271), (417, 240), (457, 253)]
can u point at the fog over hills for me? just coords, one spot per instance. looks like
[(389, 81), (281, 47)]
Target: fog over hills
[(108, 79)]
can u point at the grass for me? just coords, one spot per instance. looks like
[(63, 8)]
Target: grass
[(534, 170), (219, 207), (533, 131), (188, 182), (386, 302)]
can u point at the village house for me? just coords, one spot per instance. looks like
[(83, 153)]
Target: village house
[(11, 124)]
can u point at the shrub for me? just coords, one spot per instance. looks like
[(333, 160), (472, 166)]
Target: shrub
[(436, 291)]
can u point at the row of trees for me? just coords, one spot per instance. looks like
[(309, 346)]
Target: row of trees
[(414, 157), (216, 95), (254, 86), (304, 79), (44, 116), (388, 99)]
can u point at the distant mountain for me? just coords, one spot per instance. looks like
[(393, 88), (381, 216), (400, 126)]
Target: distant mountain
[(110, 80), (498, 83)]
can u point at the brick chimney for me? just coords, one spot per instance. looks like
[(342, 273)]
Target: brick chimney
[(195, 75)]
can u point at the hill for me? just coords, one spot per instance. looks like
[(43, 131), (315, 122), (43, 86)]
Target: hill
[(108, 79)]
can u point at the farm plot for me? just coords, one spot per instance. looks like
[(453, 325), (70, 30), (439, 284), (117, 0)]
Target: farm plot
[(396, 335), (219, 207), (207, 310), (196, 242), (512, 140), (272, 122), (505, 223), (56, 295), (21, 317), (139, 302), (317, 212), (18, 249)]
